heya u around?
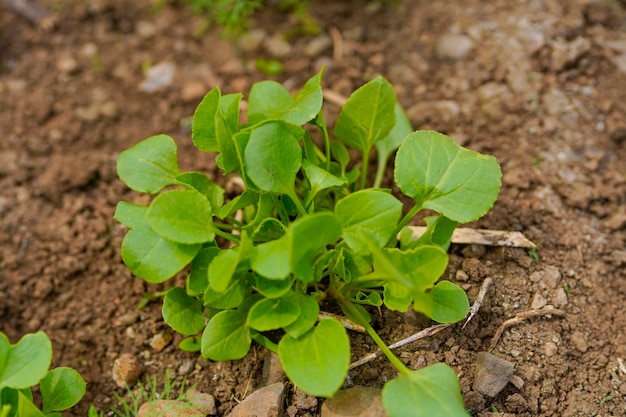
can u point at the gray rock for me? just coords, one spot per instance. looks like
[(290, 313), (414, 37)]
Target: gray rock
[(317, 45), (453, 47), (272, 369), (491, 374), (355, 401), (264, 402), (158, 77), (169, 408)]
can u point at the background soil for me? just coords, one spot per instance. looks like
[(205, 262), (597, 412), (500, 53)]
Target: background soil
[(541, 85)]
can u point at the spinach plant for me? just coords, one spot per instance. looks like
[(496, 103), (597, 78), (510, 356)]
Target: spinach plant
[(310, 226), (24, 365)]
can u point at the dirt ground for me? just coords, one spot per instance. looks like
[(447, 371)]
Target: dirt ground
[(540, 84)]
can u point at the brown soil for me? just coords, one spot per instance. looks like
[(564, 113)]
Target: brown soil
[(542, 89)]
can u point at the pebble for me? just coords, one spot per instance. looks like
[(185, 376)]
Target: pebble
[(169, 408), (550, 349), (204, 402), (453, 47), (579, 340), (252, 40), (193, 90), (492, 374), (277, 46), (356, 401), (186, 367), (272, 369), (264, 402), (126, 370), (317, 45), (158, 77), (565, 53), (559, 299), (160, 340), (538, 301), (67, 64), (303, 401)]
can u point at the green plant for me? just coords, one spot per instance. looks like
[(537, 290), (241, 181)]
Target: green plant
[(25, 365), (147, 392), (307, 227)]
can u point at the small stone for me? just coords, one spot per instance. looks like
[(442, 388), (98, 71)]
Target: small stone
[(202, 401), (492, 374), (67, 65), (560, 298), (579, 340), (169, 408), (277, 46), (538, 302), (158, 77), (317, 45), (264, 402), (303, 401), (474, 401), (186, 367), (516, 403), (126, 370), (550, 349), (565, 53), (193, 90), (551, 276), (250, 41), (356, 401), (461, 276), (145, 29), (160, 340), (453, 47), (272, 369)]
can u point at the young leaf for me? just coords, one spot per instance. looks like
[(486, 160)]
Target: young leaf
[(373, 212), (416, 269), (441, 175), (202, 184), (445, 303), (61, 389), (26, 408), (273, 157), (190, 344), (396, 296), (432, 391), (150, 165), (272, 314), (129, 214), (23, 364), (182, 313), (309, 310), (232, 296), (368, 115), (392, 142), (272, 288), (226, 126), (153, 258), (226, 337), (317, 362), (271, 259), (222, 268), (203, 128), (181, 216), (320, 179), (198, 278)]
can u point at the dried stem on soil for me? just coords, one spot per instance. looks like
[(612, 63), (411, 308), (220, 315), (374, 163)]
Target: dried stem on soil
[(519, 318)]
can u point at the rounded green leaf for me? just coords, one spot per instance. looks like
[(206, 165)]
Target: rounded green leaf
[(183, 313), (268, 100), (317, 362), (203, 127), (61, 389), (222, 269), (150, 165), (441, 175), (309, 311), (272, 314), (371, 212), (153, 258), (226, 337), (271, 259), (198, 278), (432, 391), (24, 364), (182, 216), (273, 157), (445, 303)]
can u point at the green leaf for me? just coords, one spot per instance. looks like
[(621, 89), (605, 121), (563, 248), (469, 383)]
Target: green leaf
[(25, 363), (271, 101), (203, 128), (372, 298), (182, 313), (308, 236), (368, 115), (309, 310), (445, 303), (61, 389), (392, 142), (202, 184), (236, 292), (226, 126), (320, 179), (272, 288), (372, 212), (441, 175), (198, 278), (432, 391), (273, 157), (181, 216), (153, 258), (222, 268), (416, 269), (241, 201), (439, 230), (397, 297), (129, 214), (226, 337), (26, 408), (317, 362), (150, 165), (272, 259), (190, 344), (340, 153), (273, 313)]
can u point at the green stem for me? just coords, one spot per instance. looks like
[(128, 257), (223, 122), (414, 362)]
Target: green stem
[(225, 226), (225, 235), (264, 341), (380, 170), (326, 140), (348, 306), (405, 220), (365, 160), (298, 204)]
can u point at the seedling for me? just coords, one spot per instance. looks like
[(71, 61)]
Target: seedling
[(25, 365), (308, 227)]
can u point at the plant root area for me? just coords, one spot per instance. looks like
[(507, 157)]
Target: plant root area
[(538, 84)]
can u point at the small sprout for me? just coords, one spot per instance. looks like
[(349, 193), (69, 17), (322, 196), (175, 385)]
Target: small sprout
[(533, 253), (607, 398), (567, 288)]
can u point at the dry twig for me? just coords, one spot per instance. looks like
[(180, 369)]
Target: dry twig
[(479, 300), (32, 12), (519, 318), (345, 322)]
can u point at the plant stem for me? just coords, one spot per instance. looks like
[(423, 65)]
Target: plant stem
[(298, 204), (405, 220), (264, 341), (380, 171), (365, 160), (225, 235), (356, 316)]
